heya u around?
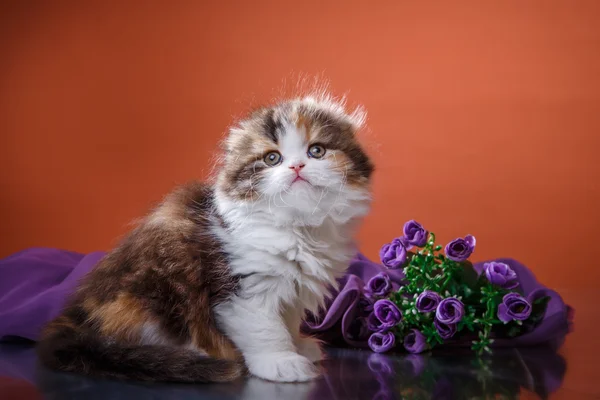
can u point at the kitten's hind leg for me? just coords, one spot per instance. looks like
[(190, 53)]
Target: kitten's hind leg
[(263, 338)]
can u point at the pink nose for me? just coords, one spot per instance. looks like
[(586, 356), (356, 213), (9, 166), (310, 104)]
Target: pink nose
[(297, 168)]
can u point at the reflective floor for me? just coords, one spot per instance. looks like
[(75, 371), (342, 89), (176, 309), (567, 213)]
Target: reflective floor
[(347, 374), (569, 373)]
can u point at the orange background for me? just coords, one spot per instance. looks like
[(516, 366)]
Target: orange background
[(484, 117)]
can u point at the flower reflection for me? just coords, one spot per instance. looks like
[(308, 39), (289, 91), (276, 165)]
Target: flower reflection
[(380, 364), (417, 363), (460, 375)]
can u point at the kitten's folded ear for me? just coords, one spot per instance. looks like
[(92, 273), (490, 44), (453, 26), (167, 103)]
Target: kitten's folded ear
[(336, 107), (233, 137), (238, 135)]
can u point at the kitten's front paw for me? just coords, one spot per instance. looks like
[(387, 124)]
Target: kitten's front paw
[(282, 367), (310, 348)]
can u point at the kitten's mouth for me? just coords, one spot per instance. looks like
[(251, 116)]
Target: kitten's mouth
[(298, 178)]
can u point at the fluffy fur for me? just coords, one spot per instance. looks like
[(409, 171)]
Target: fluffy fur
[(217, 279)]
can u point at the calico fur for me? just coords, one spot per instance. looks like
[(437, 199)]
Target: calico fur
[(215, 281), (144, 311)]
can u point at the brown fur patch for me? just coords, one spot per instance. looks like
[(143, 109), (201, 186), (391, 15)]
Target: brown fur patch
[(60, 323), (121, 318), (214, 343), (304, 124), (169, 272)]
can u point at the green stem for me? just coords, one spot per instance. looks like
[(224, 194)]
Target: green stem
[(447, 271), (446, 282), (489, 313)]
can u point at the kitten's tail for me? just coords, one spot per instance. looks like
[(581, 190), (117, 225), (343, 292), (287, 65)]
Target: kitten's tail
[(67, 349)]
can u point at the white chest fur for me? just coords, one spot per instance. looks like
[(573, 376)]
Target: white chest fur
[(290, 256), (293, 265)]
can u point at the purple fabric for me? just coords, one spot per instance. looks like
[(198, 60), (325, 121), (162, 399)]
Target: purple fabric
[(35, 283)]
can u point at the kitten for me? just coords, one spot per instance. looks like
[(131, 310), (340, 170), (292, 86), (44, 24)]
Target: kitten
[(215, 282)]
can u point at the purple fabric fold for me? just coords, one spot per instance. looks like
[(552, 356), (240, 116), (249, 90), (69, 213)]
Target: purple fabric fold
[(35, 283)]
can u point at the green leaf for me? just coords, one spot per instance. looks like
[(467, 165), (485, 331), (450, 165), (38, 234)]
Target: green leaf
[(542, 301), (431, 237), (538, 309), (466, 274), (481, 281)]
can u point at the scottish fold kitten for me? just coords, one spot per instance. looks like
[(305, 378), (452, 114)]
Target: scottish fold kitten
[(215, 281)]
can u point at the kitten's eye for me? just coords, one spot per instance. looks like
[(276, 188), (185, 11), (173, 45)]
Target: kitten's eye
[(316, 151), (273, 158)]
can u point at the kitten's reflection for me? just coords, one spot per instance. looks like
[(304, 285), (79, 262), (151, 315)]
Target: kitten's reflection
[(63, 386), (349, 374), (255, 388)]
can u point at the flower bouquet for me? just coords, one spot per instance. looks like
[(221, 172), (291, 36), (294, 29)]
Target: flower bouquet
[(443, 299)]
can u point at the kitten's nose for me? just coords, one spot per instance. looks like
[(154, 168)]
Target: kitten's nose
[(297, 167)]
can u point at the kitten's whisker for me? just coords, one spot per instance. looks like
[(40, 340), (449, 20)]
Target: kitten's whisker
[(270, 212), (254, 202), (281, 197), (320, 198), (340, 190)]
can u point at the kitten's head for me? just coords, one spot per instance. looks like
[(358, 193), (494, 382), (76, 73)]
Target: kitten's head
[(299, 158)]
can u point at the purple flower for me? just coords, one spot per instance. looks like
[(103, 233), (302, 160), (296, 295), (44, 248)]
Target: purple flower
[(460, 249), (500, 274), (415, 234), (513, 307), (394, 254), (379, 285), (450, 311), (428, 301), (380, 342), (446, 331), (375, 325), (415, 342), (387, 312)]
